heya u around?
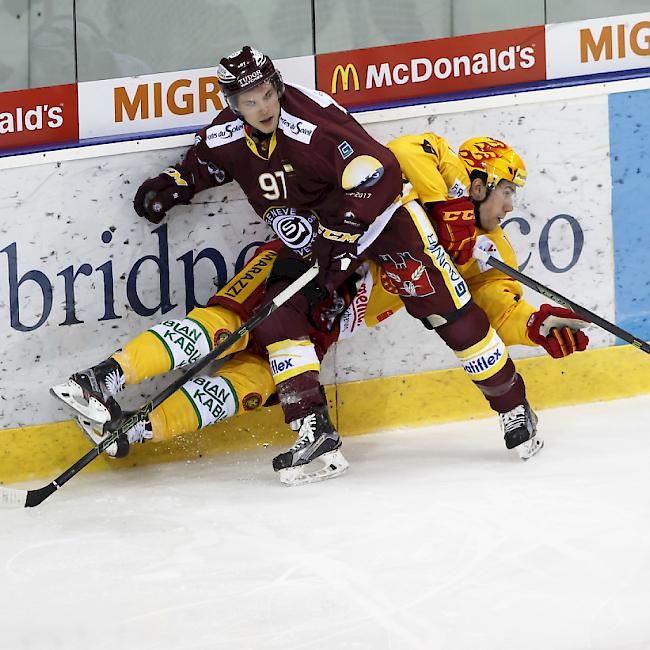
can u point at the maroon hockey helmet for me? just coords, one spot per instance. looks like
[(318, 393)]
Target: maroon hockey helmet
[(243, 70)]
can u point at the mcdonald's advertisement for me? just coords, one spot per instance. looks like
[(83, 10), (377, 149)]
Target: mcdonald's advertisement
[(427, 68)]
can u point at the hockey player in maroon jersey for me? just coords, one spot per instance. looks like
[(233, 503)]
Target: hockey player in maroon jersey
[(277, 141), (327, 188)]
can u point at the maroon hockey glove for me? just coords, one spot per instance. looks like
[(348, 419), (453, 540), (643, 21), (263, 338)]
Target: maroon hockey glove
[(336, 253), (558, 331), (157, 195), (455, 225)]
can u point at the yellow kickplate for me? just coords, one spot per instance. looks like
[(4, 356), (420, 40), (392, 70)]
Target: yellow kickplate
[(44, 451), (446, 395)]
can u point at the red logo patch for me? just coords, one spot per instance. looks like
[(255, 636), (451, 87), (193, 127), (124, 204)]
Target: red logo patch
[(408, 275)]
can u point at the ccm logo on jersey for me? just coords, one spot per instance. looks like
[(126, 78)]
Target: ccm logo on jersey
[(458, 215), (337, 235)]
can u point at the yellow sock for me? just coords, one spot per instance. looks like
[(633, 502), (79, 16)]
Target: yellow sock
[(175, 343), (242, 384)]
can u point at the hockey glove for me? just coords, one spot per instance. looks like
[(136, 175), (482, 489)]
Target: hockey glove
[(558, 331), (336, 253), (455, 225), (157, 195)]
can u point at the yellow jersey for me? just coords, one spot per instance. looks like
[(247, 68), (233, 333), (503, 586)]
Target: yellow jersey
[(436, 173)]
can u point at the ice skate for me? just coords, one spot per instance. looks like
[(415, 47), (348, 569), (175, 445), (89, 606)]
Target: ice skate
[(96, 433), (519, 427), (316, 455), (90, 393)]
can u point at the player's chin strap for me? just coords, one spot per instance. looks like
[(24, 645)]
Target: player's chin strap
[(11, 498), (485, 257)]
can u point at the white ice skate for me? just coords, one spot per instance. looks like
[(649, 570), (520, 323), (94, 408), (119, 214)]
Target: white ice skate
[(316, 455), (90, 393), (139, 432)]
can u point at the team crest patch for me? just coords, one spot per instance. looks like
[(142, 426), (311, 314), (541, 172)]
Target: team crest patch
[(409, 275), (252, 401), (297, 228), (221, 335)]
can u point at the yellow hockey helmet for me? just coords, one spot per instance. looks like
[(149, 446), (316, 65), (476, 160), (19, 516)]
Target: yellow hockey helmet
[(494, 158)]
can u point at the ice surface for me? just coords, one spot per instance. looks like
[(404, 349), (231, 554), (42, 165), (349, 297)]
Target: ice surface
[(436, 538)]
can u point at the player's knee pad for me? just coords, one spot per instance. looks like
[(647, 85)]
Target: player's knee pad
[(219, 323), (168, 345), (185, 340), (485, 358), (292, 357), (243, 383), (250, 375), (289, 269)]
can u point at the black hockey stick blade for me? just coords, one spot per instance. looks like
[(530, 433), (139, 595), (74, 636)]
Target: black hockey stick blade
[(14, 498), (566, 302)]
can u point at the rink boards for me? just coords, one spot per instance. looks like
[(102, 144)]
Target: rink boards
[(80, 273)]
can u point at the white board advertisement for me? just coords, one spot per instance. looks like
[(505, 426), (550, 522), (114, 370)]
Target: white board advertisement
[(81, 274), (164, 101), (598, 45)]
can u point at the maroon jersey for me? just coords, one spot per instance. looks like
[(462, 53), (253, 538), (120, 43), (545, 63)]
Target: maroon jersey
[(306, 171)]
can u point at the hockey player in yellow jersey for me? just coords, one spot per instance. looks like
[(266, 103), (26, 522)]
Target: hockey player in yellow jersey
[(467, 196), (245, 381)]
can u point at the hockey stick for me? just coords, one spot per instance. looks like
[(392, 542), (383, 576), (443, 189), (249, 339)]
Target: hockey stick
[(12, 498), (561, 300)]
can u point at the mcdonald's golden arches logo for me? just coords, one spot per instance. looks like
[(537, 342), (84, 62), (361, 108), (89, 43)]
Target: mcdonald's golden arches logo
[(344, 73)]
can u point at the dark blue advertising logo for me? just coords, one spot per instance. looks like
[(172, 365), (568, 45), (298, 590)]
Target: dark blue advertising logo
[(546, 237), (67, 279)]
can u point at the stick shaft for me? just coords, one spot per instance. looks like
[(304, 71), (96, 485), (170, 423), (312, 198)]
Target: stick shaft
[(569, 304), (30, 498)]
